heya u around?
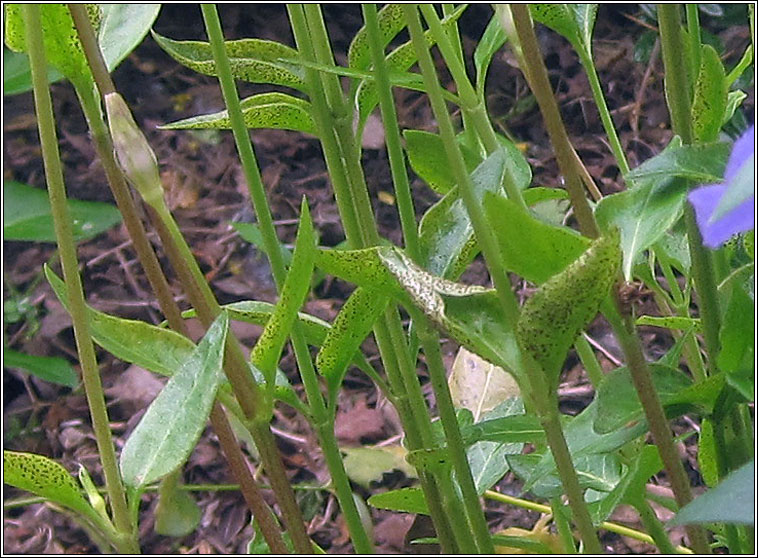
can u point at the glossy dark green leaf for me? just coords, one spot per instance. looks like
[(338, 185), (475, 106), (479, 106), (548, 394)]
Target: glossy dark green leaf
[(170, 428), (351, 326), (46, 478), (555, 315), (709, 103), (732, 501), (406, 500), (51, 369), (530, 248), (426, 155), (390, 21), (701, 163), (27, 215), (277, 111), (253, 60), (493, 38), (267, 351)]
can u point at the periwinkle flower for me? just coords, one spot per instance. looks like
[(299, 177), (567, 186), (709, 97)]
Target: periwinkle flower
[(723, 210)]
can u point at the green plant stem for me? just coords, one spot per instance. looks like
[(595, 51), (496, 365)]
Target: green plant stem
[(547, 407), (653, 526), (351, 197), (678, 100), (564, 528), (57, 193), (324, 423), (693, 36), (536, 74), (623, 326), (585, 58), (589, 360), (607, 525)]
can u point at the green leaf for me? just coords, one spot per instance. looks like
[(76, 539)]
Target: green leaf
[(426, 155), (530, 248), (744, 382), (574, 21), (27, 215), (643, 215), (487, 459), (555, 315), (253, 60), (177, 514), (123, 27), (250, 232), (707, 453), (17, 75), (508, 429), (351, 326), (493, 38), (737, 335), (62, 47), (46, 478), (631, 487), (406, 500), (733, 101), (390, 20), (170, 428), (267, 110), (617, 400), (539, 194), (732, 501), (267, 351), (701, 163), (710, 101), (51, 369), (670, 322)]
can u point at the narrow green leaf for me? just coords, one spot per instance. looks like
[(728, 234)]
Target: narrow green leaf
[(46, 478), (267, 110), (351, 326), (670, 322), (553, 318), (493, 38), (530, 248), (710, 102), (51, 369), (732, 501), (27, 215), (390, 21), (267, 351), (253, 60), (406, 500), (168, 432), (508, 429)]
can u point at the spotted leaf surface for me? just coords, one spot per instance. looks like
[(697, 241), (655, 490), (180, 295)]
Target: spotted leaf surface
[(574, 21), (44, 477), (710, 101), (253, 60), (554, 317), (62, 47), (350, 328), (390, 20), (265, 355), (268, 110)]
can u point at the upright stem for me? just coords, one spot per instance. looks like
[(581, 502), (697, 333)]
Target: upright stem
[(678, 99), (64, 235), (548, 412), (324, 422)]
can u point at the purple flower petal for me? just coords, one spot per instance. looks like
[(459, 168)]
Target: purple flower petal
[(705, 200), (741, 150)]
